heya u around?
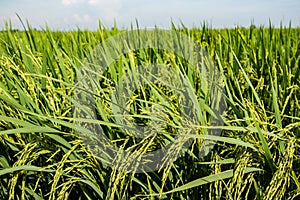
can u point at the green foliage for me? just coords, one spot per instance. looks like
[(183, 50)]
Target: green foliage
[(257, 157)]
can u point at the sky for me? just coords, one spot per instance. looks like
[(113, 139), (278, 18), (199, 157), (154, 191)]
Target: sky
[(85, 14)]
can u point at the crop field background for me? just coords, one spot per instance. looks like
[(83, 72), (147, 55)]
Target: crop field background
[(257, 155)]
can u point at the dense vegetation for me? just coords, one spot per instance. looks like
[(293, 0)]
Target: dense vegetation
[(257, 157)]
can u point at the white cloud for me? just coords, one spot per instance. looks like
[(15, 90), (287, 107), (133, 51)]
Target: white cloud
[(69, 2), (93, 2), (106, 10), (103, 3)]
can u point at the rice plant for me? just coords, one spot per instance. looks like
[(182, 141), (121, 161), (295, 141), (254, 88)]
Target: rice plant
[(42, 156)]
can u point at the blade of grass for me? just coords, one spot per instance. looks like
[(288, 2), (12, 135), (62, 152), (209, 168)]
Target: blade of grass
[(211, 178)]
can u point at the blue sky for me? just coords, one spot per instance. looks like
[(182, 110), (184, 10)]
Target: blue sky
[(70, 14)]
